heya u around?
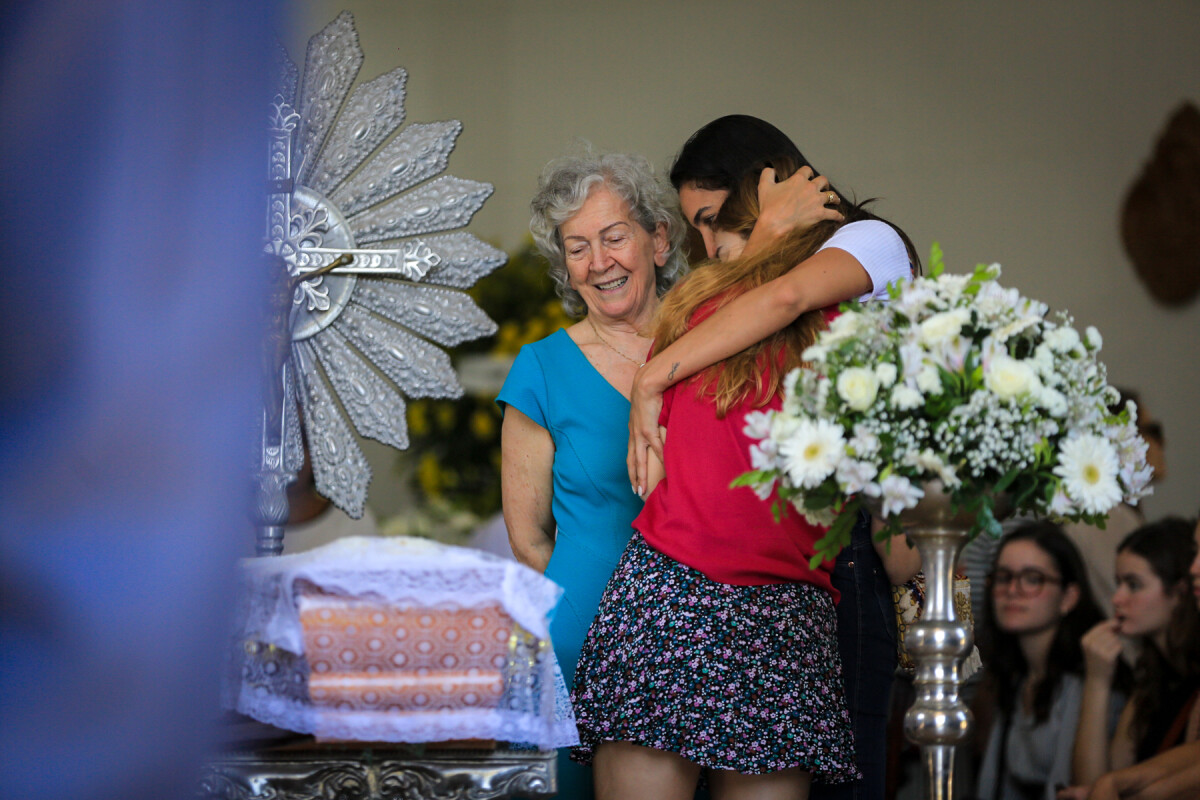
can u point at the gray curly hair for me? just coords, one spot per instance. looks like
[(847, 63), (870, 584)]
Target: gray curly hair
[(563, 188)]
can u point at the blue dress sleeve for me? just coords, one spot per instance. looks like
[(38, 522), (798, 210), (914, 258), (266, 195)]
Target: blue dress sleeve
[(525, 387)]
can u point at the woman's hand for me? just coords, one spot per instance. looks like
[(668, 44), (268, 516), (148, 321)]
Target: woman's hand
[(1101, 649), (1073, 793), (645, 404), (799, 202)]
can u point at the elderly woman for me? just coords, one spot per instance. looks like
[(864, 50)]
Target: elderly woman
[(610, 230)]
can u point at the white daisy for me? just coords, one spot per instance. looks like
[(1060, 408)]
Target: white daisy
[(1088, 466), (811, 453)]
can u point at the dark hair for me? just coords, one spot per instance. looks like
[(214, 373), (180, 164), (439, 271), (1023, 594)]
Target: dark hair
[(1001, 653), (758, 371), (1169, 549), (720, 154)]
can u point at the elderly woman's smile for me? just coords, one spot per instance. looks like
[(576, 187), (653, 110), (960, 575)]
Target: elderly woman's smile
[(611, 258)]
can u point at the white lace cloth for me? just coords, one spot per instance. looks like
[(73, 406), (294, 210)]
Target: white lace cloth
[(268, 675)]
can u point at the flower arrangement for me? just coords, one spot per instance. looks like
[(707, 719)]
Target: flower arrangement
[(959, 380)]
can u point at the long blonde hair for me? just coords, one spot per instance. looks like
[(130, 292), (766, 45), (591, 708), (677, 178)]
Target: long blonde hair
[(757, 371)]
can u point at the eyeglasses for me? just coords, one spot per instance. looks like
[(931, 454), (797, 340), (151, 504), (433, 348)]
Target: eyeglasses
[(1028, 581)]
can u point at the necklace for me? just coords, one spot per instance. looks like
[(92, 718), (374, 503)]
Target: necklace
[(604, 342)]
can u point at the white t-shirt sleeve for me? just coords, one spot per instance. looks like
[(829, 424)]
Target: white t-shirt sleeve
[(879, 249)]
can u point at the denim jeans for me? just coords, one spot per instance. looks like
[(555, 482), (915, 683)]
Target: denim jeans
[(867, 641)]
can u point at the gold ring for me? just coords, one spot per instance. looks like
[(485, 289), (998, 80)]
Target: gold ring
[(832, 198)]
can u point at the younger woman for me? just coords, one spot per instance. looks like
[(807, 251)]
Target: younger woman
[(715, 644), (1038, 606), (1154, 604)]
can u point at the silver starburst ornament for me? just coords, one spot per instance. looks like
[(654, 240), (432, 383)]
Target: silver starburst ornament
[(369, 283)]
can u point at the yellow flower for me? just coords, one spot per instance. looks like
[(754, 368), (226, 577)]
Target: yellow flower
[(429, 474), (418, 418), (483, 424)]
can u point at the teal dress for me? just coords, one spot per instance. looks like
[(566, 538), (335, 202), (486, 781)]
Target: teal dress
[(554, 384)]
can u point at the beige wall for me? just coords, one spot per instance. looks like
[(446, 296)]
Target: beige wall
[(1006, 131)]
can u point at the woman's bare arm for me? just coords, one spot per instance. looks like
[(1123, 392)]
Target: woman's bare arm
[(1093, 748), (900, 559), (827, 278), (527, 486)]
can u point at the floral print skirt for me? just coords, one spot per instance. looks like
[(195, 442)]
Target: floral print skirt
[(744, 678)]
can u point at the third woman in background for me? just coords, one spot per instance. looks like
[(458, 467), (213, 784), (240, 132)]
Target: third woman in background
[(1154, 604)]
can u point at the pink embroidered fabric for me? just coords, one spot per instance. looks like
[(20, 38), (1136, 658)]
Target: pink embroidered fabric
[(399, 640)]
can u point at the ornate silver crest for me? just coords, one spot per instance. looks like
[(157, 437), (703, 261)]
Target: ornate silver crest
[(370, 284)]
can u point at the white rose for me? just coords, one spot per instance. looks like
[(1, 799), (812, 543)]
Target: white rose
[(1094, 340), (858, 386), (1009, 378), (942, 327), (886, 373)]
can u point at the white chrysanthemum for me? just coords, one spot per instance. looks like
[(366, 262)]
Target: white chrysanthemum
[(1094, 340), (812, 451), (858, 386), (1008, 378), (906, 398), (1062, 340), (843, 327), (864, 443), (914, 300), (929, 381), (898, 493), (815, 353), (1088, 467), (1054, 401), (951, 286), (1043, 361), (993, 300), (942, 327), (758, 424), (886, 373), (854, 476)]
